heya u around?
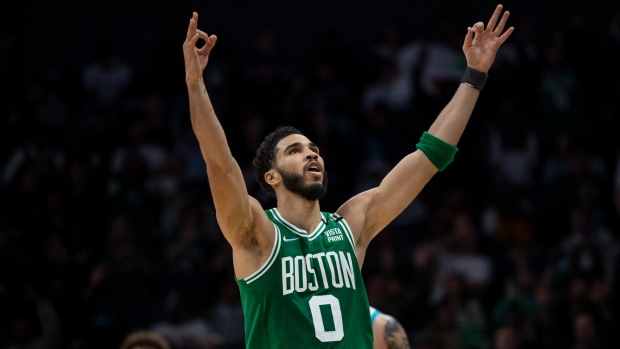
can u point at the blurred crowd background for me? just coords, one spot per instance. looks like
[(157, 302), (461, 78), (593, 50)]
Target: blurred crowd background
[(106, 221)]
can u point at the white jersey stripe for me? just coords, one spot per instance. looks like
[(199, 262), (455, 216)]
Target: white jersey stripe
[(296, 230), (272, 257)]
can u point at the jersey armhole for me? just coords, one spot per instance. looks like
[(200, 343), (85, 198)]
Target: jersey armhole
[(272, 257), (347, 231), (373, 315)]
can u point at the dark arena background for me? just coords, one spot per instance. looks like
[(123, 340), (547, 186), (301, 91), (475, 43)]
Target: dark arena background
[(106, 221)]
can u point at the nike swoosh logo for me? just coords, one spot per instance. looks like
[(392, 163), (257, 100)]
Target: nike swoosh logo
[(289, 240)]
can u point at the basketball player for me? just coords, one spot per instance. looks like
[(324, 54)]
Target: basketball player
[(297, 268), (387, 331)]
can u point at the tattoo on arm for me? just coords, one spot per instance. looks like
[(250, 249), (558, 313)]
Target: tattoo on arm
[(395, 336)]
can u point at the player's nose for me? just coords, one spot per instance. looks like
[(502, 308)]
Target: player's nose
[(312, 155)]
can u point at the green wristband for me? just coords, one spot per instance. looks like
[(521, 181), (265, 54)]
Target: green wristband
[(437, 151)]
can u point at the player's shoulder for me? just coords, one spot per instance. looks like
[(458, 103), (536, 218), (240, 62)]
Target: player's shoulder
[(382, 319), (331, 217), (374, 312)]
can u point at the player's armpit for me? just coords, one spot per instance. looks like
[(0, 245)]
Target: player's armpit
[(354, 211)]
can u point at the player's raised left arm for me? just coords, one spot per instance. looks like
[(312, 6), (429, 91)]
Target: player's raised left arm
[(369, 212)]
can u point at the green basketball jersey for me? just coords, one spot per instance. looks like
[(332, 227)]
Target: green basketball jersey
[(310, 292)]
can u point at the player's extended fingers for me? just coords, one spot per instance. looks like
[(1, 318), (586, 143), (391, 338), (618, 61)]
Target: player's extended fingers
[(191, 28), (209, 41), (494, 17), (212, 41), (500, 27), (191, 44), (203, 35), (469, 37), (189, 35), (506, 34)]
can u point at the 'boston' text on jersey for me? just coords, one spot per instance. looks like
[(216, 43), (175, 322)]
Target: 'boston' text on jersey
[(300, 274)]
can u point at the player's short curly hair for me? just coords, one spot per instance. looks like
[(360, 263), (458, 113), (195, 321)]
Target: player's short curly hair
[(266, 155)]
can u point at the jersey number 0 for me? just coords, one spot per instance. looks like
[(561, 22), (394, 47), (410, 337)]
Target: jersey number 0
[(319, 328)]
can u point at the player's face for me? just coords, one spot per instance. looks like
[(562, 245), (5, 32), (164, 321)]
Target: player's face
[(301, 167)]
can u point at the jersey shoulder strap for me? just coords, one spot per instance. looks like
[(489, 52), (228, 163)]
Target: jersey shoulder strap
[(373, 314)]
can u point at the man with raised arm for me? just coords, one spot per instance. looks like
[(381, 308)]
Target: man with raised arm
[(297, 268)]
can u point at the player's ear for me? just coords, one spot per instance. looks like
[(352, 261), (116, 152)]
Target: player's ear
[(272, 177)]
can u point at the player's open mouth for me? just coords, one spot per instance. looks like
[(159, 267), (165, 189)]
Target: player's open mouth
[(314, 167)]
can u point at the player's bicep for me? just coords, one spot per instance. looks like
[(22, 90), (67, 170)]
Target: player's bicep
[(235, 214), (355, 212), (374, 209), (399, 188)]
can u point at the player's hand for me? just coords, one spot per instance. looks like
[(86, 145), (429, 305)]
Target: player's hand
[(481, 44), (196, 58)]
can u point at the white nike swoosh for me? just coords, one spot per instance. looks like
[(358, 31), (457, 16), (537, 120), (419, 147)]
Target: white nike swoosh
[(289, 240)]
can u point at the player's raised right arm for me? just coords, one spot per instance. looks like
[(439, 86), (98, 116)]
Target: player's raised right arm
[(237, 212)]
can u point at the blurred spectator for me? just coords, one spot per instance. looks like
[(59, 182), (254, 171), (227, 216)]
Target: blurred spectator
[(144, 340), (118, 289), (506, 338), (387, 281), (588, 249), (561, 95), (440, 63), (388, 89), (444, 332), (38, 154), (578, 299), (576, 26), (506, 220), (463, 257), (188, 252), (169, 185), (585, 334), (469, 312), (518, 309), (557, 168), (513, 148), (130, 192), (188, 149), (380, 140), (151, 151), (107, 75), (183, 327), (227, 316), (33, 322), (389, 42)]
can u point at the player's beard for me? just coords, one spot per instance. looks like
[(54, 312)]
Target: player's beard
[(295, 183)]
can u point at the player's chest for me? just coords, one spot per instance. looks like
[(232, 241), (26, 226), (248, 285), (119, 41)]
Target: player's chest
[(329, 239)]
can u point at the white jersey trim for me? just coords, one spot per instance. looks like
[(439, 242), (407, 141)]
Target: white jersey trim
[(345, 226), (272, 257), (348, 234), (296, 230)]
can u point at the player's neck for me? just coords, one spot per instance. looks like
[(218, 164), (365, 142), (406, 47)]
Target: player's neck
[(301, 213)]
